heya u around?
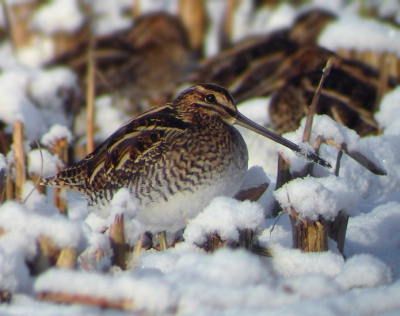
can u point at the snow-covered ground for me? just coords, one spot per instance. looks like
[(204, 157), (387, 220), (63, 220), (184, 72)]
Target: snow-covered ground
[(184, 279)]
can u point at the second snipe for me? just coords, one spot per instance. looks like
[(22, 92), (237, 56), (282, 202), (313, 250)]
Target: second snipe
[(174, 158)]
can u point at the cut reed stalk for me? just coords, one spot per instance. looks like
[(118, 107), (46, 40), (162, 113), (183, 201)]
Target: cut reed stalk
[(19, 158), (90, 89), (67, 258), (68, 298), (117, 238)]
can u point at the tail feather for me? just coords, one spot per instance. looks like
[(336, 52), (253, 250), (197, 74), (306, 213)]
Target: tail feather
[(74, 178)]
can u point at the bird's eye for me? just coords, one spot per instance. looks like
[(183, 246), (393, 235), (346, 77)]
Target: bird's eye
[(210, 98)]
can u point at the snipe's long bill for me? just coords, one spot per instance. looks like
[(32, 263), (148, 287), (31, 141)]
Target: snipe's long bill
[(174, 159), (243, 121)]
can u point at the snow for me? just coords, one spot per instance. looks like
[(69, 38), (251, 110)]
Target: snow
[(58, 16), (48, 166), (110, 16), (224, 216), (36, 98), (361, 34), (56, 133), (333, 195), (184, 279), (389, 113)]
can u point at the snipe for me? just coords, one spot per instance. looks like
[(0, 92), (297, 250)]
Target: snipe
[(174, 158)]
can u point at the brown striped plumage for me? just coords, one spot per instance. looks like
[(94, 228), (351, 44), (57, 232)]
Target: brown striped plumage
[(174, 158)]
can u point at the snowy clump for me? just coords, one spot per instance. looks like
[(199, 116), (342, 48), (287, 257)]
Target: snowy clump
[(37, 98), (110, 15), (14, 274), (376, 37), (48, 166), (255, 176), (62, 232), (312, 197), (388, 115), (215, 11), (97, 242), (125, 203), (52, 89), (224, 216), (107, 117), (58, 16), (364, 270), (292, 262), (219, 268), (267, 21), (39, 51), (367, 184), (56, 132), (36, 202), (377, 231), (151, 295), (15, 104), (3, 162)]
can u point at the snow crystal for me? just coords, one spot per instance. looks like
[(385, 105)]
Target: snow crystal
[(58, 16), (312, 197), (225, 216), (56, 132), (364, 270)]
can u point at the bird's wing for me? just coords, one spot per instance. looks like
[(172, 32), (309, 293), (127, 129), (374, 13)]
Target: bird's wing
[(140, 141)]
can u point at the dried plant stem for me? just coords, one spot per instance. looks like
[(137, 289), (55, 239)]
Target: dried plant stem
[(308, 236), (9, 186), (138, 247), (19, 156), (383, 80), (193, 16), (311, 112), (7, 19), (90, 91), (228, 20), (251, 193), (117, 238), (283, 176), (69, 298), (3, 181), (337, 230), (162, 239), (67, 258), (47, 255)]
